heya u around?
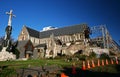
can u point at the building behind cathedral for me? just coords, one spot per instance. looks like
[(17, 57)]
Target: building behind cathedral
[(50, 43)]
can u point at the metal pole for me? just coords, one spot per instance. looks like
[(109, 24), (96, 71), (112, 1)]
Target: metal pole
[(103, 34)]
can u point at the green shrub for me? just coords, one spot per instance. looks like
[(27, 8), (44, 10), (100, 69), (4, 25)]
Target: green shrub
[(63, 56), (58, 57), (8, 72), (82, 57), (104, 56), (17, 53), (92, 55)]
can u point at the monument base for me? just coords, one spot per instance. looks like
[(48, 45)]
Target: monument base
[(5, 55)]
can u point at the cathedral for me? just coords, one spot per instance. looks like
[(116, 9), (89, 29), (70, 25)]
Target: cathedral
[(50, 43)]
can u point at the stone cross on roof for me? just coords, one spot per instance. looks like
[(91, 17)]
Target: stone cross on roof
[(10, 17)]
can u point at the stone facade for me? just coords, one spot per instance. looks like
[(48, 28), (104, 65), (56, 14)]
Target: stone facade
[(26, 49), (67, 40)]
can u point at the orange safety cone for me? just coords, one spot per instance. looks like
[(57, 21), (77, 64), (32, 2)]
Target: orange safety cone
[(112, 61), (88, 64), (83, 67), (102, 62), (63, 75), (93, 64), (98, 62), (116, 61), (106, 62), (35, 76)]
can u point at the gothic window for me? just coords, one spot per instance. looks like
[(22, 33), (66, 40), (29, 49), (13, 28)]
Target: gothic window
[(70, 38), (23, 38), (34, 40), (87, 32), (39, 41), (79, 36), (51, 52), (42, 50), (65, 39), (38, 50), (22, 32), (62, 38), (76, 37), (45, 41)]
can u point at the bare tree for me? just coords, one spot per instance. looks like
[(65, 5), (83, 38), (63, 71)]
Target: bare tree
[(1, 41)]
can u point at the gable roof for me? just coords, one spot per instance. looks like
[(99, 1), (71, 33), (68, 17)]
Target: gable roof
[(57, 32), (22, 43), (63, 31), (32, 32), (40, 45)]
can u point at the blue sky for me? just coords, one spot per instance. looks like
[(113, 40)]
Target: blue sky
[(59, 13)]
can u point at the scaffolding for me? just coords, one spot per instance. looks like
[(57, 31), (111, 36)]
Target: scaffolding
[(102, 32)]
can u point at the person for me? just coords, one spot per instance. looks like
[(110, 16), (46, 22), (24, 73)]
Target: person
[(74, 70)]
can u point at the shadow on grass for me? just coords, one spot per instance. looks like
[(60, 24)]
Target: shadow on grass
[(90, 73), (118, 68)]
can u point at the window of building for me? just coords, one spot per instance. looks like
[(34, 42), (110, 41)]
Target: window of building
[(39, 41), (38, 50), (51, 52), (23, 37), (34, 40), (22, 32)]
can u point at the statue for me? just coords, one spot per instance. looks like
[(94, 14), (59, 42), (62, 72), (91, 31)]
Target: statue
[(8, 51), (8, 30)]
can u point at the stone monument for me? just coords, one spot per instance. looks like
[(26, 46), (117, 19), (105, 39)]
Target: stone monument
[(5, 54)]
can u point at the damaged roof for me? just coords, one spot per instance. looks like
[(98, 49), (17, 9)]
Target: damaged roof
[(57, 32)]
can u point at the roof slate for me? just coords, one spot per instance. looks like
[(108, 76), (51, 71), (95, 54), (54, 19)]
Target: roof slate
[(41, 45), (33, 32), (57, 32), (22, 43)]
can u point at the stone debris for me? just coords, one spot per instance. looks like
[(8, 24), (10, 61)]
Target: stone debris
[(5, 55)]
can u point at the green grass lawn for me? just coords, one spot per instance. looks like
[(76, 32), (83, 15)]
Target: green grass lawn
[(9, 67), (13, 65), (33, 63)]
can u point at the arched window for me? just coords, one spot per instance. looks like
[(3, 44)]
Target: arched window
[(51, 52)]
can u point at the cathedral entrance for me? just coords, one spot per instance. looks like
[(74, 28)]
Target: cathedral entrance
[(28, 54)]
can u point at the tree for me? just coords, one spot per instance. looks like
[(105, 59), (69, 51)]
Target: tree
[(1, 41), (14, 49)]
